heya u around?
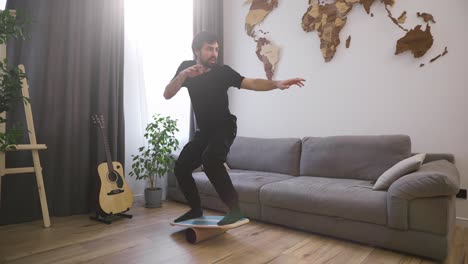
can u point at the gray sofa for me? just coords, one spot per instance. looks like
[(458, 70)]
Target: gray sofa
[(324, 185)]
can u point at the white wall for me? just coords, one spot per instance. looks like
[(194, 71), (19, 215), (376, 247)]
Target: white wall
[(365, 89)]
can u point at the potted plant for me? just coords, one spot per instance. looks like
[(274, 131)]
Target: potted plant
[(154, 160), (10, 79)]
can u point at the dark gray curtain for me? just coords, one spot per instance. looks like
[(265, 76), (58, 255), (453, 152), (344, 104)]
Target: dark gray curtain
[(74, 62), (207, 15)]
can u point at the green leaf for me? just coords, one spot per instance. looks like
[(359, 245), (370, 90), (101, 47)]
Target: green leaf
[(11, 77), (153, 161)]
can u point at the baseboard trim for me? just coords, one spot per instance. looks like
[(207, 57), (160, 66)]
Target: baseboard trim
[(139, 198), (461, 221)]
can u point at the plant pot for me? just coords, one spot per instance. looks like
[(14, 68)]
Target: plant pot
[(153, 197)]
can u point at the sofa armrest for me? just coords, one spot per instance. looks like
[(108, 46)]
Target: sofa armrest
[(437, 178)]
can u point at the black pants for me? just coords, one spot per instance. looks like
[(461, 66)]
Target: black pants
[(208, 148)]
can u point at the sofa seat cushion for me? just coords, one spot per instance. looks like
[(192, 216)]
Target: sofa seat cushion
[(345, 198), (247, 183)]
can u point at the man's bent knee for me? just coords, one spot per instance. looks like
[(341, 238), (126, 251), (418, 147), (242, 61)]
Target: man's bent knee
[(181, 169), (209, 160)]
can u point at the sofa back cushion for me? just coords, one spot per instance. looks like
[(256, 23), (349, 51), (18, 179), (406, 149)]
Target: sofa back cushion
[(352, 157), (278, 155)]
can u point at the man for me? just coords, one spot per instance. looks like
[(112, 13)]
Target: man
[(207, 84)]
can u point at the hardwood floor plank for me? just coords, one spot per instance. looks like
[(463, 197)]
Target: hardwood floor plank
[(149, 238), (456, 253), (78, 230)]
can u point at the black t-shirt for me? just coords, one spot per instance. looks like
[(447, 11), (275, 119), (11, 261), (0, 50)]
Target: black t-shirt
[(208, 93)]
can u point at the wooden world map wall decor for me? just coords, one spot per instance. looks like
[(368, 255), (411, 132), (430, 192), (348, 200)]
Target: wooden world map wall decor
[(328, 19)]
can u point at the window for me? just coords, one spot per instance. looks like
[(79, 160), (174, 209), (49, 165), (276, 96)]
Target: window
[(158, 38)]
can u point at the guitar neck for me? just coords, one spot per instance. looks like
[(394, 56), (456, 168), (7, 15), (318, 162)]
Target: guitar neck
[(107, 149)]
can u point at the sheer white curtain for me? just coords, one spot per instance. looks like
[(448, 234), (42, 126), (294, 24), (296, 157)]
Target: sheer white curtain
[(158, 36)]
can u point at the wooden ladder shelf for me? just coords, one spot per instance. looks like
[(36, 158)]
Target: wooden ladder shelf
[(34, 148)]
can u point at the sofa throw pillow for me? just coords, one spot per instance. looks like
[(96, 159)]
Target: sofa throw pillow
[(398, 170)]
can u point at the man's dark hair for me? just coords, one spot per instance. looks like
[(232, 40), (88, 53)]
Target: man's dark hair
[(202, 38)]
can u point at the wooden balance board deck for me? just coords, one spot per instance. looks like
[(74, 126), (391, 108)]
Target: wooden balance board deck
[(205, 227)]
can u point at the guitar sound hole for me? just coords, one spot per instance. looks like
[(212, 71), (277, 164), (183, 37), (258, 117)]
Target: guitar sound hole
[(112, 176)]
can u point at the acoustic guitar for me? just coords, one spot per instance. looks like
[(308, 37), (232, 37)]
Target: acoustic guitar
[(115, 196)]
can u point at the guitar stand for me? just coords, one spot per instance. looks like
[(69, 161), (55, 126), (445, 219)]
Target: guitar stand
[(107, 219)]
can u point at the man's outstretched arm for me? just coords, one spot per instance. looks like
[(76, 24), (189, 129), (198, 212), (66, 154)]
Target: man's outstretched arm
[(174, 86), (267, 85)]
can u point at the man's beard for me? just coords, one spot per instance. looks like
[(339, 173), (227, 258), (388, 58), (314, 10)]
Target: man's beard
[(207, 64)]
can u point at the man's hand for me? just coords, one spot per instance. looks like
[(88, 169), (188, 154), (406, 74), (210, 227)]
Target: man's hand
[(285, 84), (194, 71)]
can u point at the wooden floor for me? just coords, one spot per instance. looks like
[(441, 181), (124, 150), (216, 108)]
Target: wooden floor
[(148, 238)]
